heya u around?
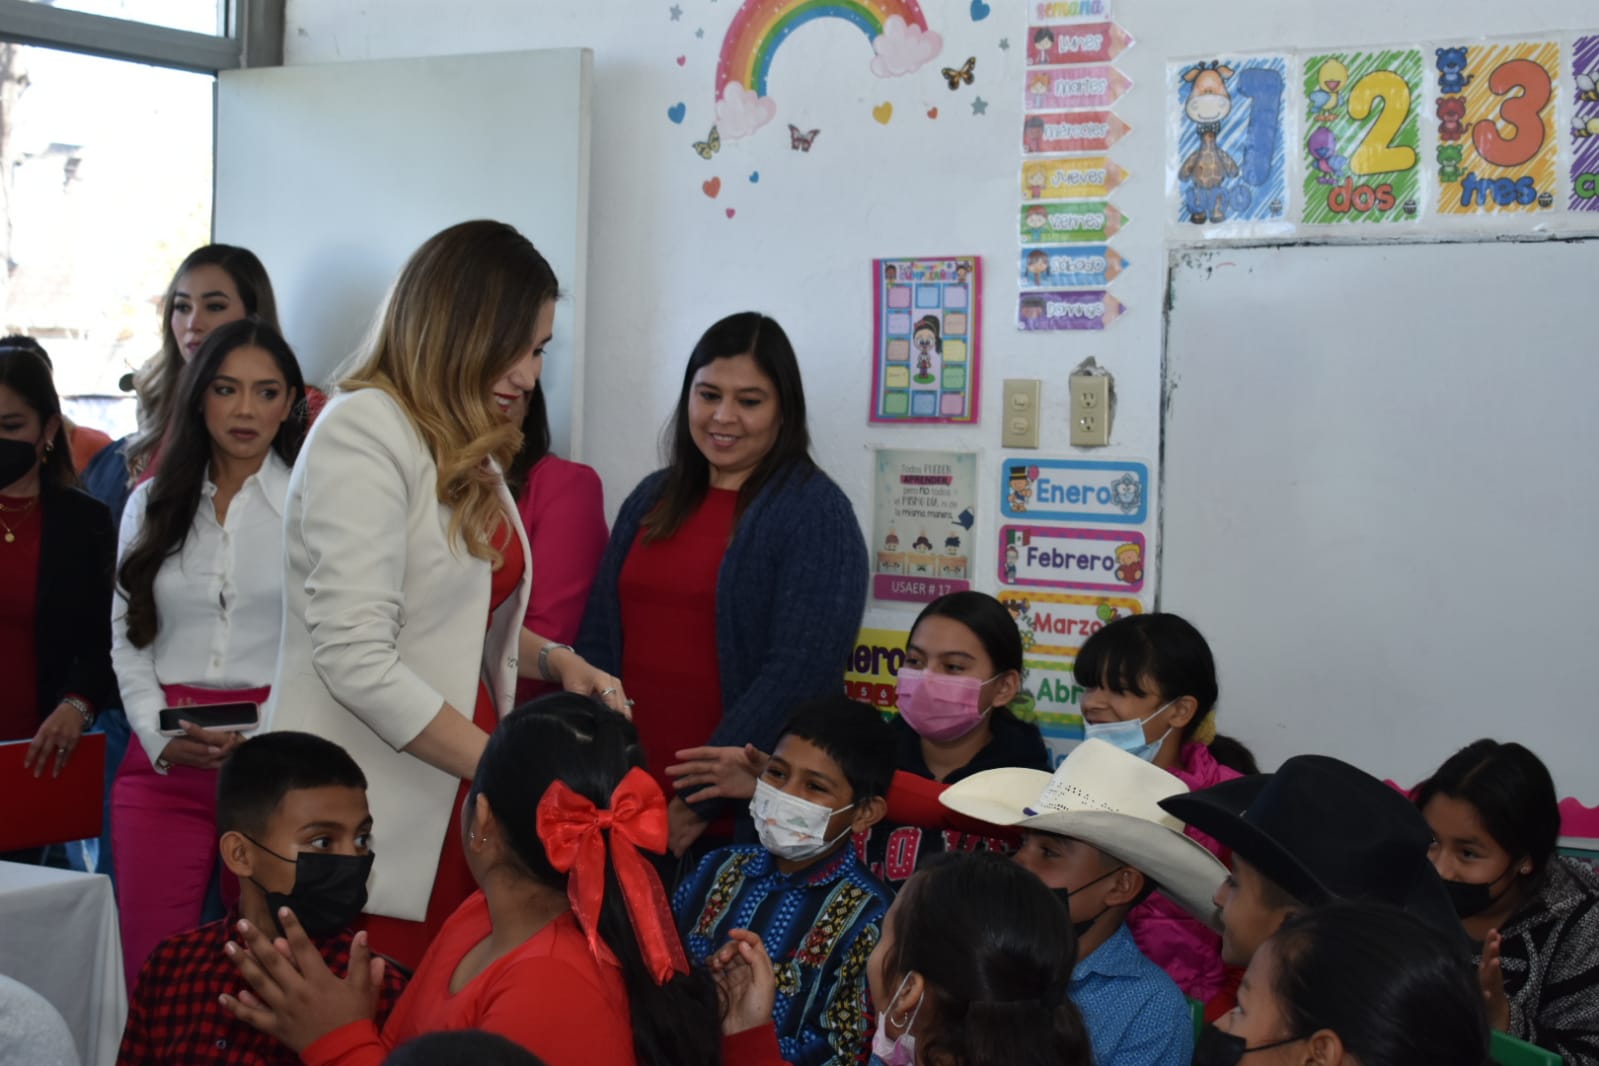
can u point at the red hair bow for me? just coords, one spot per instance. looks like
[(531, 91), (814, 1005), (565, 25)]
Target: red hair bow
[(570, 827)]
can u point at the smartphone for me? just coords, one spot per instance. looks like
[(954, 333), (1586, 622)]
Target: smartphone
[(227, 717)]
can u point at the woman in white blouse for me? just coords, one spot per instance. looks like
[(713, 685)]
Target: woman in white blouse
[(404, 546), (198, 615)]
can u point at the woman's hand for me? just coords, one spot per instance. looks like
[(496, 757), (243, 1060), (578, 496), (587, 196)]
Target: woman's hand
[(296, 997), (574, 674), (201, 749), (58, 736), (718, 773), (683, 826), (744, 977), (1491, 978)]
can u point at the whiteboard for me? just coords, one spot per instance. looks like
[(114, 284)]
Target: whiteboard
[(334, 173), (1379, 497)]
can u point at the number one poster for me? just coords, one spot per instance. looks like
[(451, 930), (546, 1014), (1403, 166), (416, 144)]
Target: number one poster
[(1497, 148), (1229, 121), (925, 350), (1362, 135), (924, 515), (1585, 124)]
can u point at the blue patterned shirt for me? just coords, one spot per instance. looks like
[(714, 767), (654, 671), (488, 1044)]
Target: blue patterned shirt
[(819, 925), (1135, 1014)]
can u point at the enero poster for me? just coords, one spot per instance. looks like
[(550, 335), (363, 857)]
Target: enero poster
[(924, 518), (1362, 132), (1497, 148), (873, 672)]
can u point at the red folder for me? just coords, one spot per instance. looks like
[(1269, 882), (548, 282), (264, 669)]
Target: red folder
[(51, 810)]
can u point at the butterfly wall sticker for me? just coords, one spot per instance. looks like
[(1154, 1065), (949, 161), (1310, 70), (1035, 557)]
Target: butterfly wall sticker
[(964, 74), (710, 145), (800, 141)]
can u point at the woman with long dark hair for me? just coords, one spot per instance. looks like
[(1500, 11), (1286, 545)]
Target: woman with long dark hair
[(1531, 914), (198, 615), (567, 947), (56, 551), (735, 578)]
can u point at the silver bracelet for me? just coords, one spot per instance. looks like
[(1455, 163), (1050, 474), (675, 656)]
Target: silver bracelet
[(544, 659), (82, 708)]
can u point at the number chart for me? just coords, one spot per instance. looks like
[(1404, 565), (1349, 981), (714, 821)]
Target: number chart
[(1227, 122), (1362, 134), (1585, 124), (928, 318), (1497, 147)]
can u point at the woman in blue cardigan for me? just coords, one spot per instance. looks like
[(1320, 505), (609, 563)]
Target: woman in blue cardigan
[(734, 581)]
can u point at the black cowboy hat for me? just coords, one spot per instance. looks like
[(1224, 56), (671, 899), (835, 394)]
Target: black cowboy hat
[(1323, 831)]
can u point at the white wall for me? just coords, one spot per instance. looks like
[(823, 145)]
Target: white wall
[(665, 262)]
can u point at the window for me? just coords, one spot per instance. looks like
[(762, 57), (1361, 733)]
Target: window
[(194, 16)]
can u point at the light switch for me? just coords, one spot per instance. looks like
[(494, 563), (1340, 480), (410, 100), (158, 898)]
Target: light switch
[(1020, 416)]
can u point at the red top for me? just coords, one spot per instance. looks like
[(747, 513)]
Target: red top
[(667, 591), (19, 600), (549, 995)]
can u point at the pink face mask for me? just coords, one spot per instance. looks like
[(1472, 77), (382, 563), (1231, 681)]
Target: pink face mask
[(940, 707)]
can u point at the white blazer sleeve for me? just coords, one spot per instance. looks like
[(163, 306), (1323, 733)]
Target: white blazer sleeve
[(142, 697), (354, 527)]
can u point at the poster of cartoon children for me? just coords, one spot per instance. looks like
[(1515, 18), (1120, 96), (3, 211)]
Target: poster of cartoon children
[(924, 520), (927, 326), (1228, 120)]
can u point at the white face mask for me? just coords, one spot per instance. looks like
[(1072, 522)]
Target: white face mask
[(900, 1050), (1129, 735), (789, 827)]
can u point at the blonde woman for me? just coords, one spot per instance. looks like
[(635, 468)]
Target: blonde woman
[(402, 542)]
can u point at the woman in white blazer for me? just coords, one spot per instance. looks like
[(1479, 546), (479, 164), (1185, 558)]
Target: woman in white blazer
[(408, 566)]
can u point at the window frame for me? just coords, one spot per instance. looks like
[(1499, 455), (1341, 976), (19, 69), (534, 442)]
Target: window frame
[(253, 36)]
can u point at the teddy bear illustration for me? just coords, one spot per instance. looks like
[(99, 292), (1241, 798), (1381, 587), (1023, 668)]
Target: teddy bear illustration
[(1452, 76), (1451, 110), (1449, 156)]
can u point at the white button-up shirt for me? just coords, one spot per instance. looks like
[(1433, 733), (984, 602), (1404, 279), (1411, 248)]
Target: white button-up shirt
[(219, 601)]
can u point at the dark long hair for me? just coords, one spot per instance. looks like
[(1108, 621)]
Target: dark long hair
[(176, 489), (535, 442), (26, 374), (990, 621), (688, 475), (1513, 794), (579, 741), (995, 950), (1396, 991), (1167, 650)]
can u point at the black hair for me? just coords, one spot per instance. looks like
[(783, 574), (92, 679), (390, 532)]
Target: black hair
[(26, 343), (990, 622), (1164, 650), (995, 950), (852, 734), (179, 484), (1043, 33), (1396, 991), (581, 742), (25, 373), (688, 471), (535, 442), (1513, 795), (461, 1047), (268, 766)]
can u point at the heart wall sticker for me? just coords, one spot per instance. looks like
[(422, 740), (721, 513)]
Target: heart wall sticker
[(883, 112), (676, 112), (712, 188)]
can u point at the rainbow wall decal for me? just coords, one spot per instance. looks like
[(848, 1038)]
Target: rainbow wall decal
[(898, 31)]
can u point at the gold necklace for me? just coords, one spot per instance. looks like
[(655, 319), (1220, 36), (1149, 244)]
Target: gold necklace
[(11, 537)]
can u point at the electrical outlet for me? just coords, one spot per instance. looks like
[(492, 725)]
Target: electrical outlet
[(1020, 416), (1090, 410)]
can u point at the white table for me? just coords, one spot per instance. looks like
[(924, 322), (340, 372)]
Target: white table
[(58, 936)]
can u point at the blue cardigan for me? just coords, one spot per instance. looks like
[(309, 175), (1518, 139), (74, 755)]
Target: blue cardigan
[(789, 598)]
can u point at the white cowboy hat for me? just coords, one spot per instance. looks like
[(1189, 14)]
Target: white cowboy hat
[(1109, 798)]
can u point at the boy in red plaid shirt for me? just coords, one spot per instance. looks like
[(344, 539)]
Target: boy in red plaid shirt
[(295, 830)]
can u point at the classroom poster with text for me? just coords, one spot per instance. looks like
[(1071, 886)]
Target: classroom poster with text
[(924, 522)]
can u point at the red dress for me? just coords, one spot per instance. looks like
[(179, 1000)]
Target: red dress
[(405, 941), (667, 590), (19, 600)]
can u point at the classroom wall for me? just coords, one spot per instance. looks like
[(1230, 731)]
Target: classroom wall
[(666, 259)]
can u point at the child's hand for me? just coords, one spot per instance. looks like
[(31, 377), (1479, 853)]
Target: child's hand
[(744, 977), (1491, 977), (297, 998), (719, 773)]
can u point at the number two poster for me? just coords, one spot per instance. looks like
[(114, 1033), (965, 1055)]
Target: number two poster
[(1497, 148), (1362, 135)]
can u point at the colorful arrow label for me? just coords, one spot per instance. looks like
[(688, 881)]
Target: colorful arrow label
[(1086, 178), (1087, 222), (1072, 131), (1075, 266), (1085, 85), (1048, 311), (1091, 42)]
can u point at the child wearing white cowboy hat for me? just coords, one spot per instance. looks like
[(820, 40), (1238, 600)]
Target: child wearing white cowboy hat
[(1094, 831)]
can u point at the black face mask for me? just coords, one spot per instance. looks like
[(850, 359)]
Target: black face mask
[(1080, 929), (17, 457), (1470, 899), (1216, 1048), (329, 890)]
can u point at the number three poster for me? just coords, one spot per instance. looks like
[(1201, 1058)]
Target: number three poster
[(1228, 122), (1362, 132), (1497, 148)]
